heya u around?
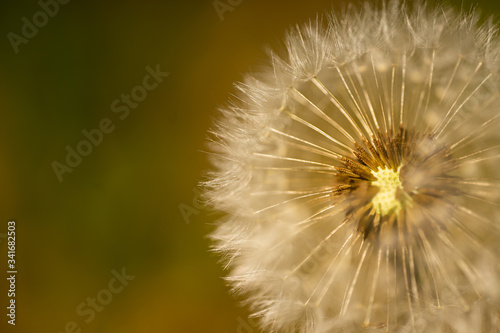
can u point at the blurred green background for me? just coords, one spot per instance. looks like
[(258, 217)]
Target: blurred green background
[(131, 203)]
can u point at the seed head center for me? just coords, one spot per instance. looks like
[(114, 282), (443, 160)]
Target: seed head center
[(388, 183)]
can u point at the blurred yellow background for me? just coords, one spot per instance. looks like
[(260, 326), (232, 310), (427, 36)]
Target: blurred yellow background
[(119, 243)]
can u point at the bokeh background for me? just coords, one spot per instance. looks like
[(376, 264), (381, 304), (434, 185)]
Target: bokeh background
[(131, 204)]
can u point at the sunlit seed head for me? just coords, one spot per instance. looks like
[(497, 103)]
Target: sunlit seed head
[(388, 182), (360, 179)]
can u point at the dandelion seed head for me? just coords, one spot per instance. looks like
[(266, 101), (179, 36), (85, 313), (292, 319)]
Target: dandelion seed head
[(359, 175)]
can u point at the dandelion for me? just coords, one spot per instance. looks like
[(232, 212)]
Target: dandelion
[(359, 176)]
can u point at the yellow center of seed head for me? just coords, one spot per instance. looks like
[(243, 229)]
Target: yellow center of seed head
[(388, 183)]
